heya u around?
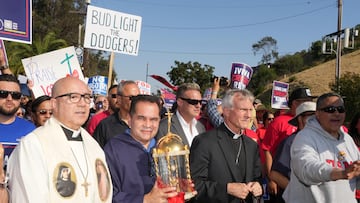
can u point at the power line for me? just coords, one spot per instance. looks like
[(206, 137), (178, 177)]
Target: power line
[(238, 26), (206, 53), (222, 6)]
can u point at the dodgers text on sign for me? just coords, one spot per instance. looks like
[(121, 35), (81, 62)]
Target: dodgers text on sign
[(112, 31)]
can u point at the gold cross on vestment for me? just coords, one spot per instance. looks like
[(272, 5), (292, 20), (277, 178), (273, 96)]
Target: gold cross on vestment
[(86, 185)]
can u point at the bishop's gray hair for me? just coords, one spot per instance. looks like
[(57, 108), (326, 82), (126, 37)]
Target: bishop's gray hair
[(228, 101)]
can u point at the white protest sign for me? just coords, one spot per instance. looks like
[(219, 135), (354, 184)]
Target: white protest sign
[(47, 68), (145, 88), (112, 31)]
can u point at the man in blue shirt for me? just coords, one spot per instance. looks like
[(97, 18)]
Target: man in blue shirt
[(12, 128), (129, 156)]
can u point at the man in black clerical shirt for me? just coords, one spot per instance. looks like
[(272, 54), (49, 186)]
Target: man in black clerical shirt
[(225, 163)]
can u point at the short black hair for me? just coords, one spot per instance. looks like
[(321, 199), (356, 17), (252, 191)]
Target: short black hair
[(112, 87), (9, 78), (36, 103), (143, 98), (320, 101)]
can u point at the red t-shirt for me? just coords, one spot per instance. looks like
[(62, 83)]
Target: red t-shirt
[(261, 133), (95, 120), (278, 130)]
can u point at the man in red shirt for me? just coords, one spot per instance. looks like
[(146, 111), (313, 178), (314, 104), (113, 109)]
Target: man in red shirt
[(280, 129), (95, 120)]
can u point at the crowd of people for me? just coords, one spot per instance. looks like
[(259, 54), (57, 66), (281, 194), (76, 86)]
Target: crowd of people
[(63, 149)]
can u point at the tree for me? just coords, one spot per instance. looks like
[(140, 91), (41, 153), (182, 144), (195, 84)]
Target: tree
[(40, 45), (288, 64), (54, 23), (191, 72), (61, 17), (267, 46), (349, 90), (261, 78)]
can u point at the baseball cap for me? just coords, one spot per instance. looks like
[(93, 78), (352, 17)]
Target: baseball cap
[(300, 93), (302, 108)]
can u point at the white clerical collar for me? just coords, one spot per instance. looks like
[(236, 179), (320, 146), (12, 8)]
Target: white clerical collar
[(236, 135), (72, 135)]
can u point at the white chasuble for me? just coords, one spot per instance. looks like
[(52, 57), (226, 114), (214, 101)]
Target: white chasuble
[(46, 167)]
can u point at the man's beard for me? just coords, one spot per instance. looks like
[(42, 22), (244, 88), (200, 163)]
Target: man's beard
[(7, 112)]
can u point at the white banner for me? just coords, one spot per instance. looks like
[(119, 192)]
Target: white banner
[(45, 69), (112, 31)]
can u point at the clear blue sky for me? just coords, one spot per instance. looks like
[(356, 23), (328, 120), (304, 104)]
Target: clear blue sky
[(218, 33)]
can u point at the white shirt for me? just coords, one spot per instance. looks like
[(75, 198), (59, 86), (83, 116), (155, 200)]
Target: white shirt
[(188, 128)]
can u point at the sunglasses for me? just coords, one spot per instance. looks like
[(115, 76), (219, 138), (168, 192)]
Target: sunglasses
[(129, 97), (15, 95), (332, 109), (191, 101), (43, 112), (113, 96), (270, 119)]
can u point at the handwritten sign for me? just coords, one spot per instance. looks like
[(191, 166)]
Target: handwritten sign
[(98, 85), (145, 88), (112, 31), (279, 95), (240, 75), (47, 68)]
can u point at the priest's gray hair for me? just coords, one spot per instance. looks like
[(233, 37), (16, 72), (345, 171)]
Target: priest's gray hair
[(228, 100)]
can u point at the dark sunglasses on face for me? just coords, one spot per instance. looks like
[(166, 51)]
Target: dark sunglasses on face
[(332, 109), (43, 112), (191, 101), (15, 95), (270, 119), (113, 96)]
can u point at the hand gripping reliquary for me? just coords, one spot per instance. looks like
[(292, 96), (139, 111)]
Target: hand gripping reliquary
[(171, 159)]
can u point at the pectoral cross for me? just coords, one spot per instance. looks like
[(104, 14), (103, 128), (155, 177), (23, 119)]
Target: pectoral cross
[(86, 185)]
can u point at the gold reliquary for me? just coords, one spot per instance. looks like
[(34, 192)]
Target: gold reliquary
[(171, 159)]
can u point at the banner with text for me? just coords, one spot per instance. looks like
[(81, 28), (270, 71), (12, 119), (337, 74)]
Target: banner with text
[(45, 69), (15, 20), (112, 31), (279, 95), (98, 85), (240, 75)]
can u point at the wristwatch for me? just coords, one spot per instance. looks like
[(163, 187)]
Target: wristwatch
[(3, 67)]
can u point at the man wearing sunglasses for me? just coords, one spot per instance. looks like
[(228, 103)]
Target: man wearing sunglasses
[(184, 122), (117, 123), (12, 128), (113, 107), (324, 158)]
